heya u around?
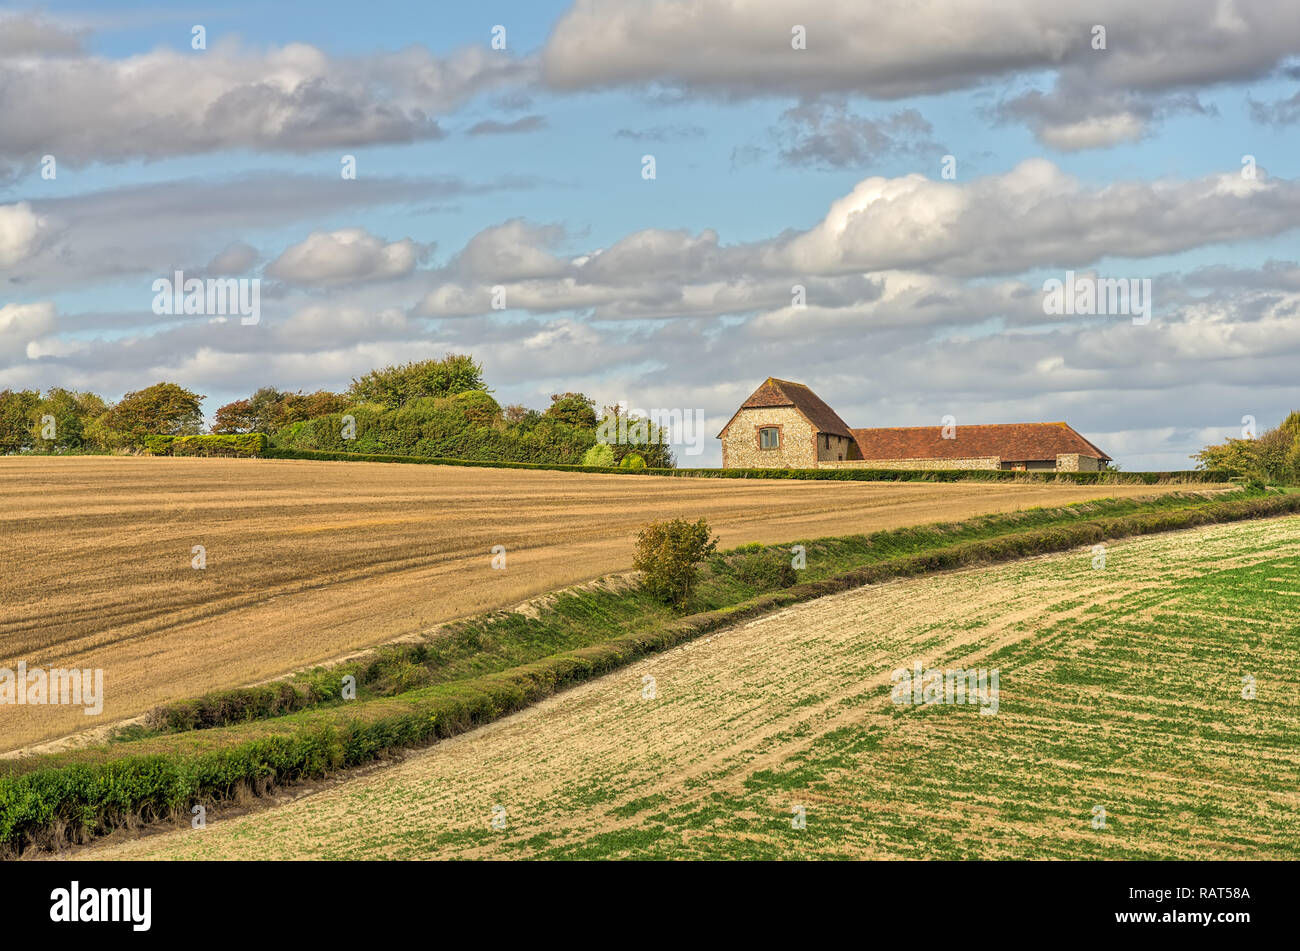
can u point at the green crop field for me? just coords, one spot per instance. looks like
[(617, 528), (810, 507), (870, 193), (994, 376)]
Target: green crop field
[(1147, 708)]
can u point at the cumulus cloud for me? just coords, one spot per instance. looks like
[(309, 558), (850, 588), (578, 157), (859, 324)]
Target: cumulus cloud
[(28, 34), (22, 324), (346, 256), (743, 48), (1033, 216), (20, 231), (515, 250), (1078, 114), (158, 227), (294, 98)]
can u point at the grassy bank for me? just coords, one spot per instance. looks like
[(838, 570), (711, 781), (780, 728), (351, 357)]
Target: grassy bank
[(494, 665), (500, 640)]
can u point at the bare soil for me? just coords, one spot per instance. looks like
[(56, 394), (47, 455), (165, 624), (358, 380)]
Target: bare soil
[(307, 560)]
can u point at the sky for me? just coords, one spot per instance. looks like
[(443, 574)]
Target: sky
[(866, 197)]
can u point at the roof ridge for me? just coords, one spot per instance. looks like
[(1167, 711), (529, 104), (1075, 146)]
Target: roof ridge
[(966, 425)]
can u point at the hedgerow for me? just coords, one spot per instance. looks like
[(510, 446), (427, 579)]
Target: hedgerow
[(439, 427), (244, 445)]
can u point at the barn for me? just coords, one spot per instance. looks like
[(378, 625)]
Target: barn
[(786, 425)]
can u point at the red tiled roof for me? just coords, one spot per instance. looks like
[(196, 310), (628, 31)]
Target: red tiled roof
[(774, 392), (1012, 442)]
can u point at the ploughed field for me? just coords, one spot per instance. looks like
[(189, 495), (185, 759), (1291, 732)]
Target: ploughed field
[(1121, 688), (307, 560)]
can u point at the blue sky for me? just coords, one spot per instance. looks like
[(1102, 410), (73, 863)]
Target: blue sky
[(168, 156)]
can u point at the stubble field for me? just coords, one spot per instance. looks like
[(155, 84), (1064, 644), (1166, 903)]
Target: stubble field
[(1121, 689), (306, 561)]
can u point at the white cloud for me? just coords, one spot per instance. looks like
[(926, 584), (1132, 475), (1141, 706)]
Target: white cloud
[(23, 324), (198, 226), (347, 256), (235, 258), (27, 34), (1094, 132), (742, 48), (20, 232), (293, 98), (1033, 216)]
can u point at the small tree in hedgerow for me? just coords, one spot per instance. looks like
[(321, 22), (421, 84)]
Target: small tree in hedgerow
[(599, 455), (667, 555)]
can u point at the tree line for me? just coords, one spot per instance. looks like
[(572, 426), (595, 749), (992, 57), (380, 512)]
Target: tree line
[(430, 407), (1272, 457)]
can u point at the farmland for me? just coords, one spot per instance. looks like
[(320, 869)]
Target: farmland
[(1121, 688), (309, 560)]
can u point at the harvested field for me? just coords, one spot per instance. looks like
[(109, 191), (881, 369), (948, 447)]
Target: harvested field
[(1120, 688), (309, 560)]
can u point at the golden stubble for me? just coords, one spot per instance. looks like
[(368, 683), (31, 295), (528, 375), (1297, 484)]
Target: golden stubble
[(310, 560)]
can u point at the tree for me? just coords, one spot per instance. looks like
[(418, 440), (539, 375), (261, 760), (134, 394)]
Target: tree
[(394, 386), (632, 435), (576, 409), (522, 417), (164, 409), (269, 410), (233, 419), (667, 555), (301, 406), (599, 455), (16, 408), (62, 418), (266, 409), (481, 408), (1273, 457)]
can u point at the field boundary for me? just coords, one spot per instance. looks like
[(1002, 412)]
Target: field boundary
[(48, 801), (1189, 476), (161, 446)]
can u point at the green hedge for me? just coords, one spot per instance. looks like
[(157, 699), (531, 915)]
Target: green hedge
[(246, 445), (237, 705), (1190, 476), (51, 798), (439, 428)]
